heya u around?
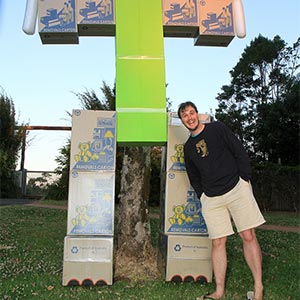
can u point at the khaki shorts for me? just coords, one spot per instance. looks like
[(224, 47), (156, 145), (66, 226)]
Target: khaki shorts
[(238, 204)]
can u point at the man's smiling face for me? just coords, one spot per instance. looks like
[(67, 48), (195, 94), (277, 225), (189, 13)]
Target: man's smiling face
[(189, 118)]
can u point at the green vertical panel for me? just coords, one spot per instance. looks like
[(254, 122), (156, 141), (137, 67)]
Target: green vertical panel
[(140, 76), (143, 83), (135, 129), (139, 28)]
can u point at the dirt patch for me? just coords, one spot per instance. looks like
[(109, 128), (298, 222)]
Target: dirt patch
[(132, 269)]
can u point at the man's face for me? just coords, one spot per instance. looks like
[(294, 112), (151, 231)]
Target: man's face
[(189, 118)]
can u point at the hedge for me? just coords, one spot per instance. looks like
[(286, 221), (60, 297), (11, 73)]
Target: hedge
[(276, 187)]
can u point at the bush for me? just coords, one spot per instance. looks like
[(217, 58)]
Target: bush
[(276, 187), (10, 144)]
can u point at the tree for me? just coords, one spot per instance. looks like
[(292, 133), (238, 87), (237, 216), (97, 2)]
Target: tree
[(10, 143), (278, 133), (133, 221), (60, 187), (39, 186), (90, 101), (260, 84)]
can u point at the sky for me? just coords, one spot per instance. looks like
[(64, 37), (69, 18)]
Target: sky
[(42, 79)]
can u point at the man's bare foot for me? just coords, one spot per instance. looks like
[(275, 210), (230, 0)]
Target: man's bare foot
[(258, 293), (212, 296)]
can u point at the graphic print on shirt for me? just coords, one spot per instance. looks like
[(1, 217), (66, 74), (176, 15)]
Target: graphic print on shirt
[(202, 148)]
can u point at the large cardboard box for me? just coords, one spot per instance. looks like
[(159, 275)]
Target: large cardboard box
[(93, 144), (216, 25), (88, 261), (91, 203), (96, 18), (180, 18), (185, 258), (57, 21)]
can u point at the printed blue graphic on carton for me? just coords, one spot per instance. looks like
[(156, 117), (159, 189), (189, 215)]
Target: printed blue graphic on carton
[(187, 217), (98, 154), (97, 12), (96, 217), (178, 159), (221, 23), (182, 13), (60, 19)]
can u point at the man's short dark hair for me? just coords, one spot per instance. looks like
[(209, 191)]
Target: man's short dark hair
[(184, 105)]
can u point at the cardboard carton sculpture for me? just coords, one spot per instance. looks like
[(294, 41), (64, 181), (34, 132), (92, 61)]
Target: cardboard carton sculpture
[(140, 117)]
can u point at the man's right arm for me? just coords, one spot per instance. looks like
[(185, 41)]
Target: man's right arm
[(194, 177)]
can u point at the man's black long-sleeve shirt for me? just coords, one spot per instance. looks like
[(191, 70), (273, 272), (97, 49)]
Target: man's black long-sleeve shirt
[(215, 159)]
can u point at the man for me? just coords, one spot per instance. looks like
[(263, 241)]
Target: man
[(218, 168)]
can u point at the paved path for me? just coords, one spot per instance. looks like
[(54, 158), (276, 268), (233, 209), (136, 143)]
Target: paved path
[(47, 206), (4, 202), (280, 228), (156, 216)]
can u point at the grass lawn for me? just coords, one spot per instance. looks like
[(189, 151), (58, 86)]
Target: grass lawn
[(31, 252)]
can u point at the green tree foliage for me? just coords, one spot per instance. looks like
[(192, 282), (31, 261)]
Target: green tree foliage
[(10, 144), (59, 188), (90, 101), (39, 186), (278, 132), (261, 103)]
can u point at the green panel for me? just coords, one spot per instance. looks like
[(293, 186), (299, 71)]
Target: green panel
[(139, 29), (140, 83), (140, 73), (142, 128)]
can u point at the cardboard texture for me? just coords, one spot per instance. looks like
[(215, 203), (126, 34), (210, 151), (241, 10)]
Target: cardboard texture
[(96, 18), (177, 136), (93, 141), (57, 22), (216, 26), (91, 203), (140, 69), (88, 261), (180, 18), (185, 258)]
